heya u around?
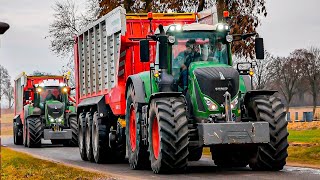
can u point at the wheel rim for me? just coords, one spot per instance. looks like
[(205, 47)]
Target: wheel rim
[(132, 128), (155, 138)]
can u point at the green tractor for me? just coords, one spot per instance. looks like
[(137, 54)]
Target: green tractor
[(193, 97), (48, 114)]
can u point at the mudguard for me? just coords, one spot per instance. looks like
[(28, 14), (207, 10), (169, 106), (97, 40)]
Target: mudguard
[(253, 93), (98, 102), (138, 87)]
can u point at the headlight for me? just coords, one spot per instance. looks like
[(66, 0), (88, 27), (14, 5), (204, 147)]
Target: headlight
[(211, 105), (229, 38), (234, 103), (243, 66), (65, 89), (60, 119), (220, 27), (39, 89), (51, 119), (171, 39)]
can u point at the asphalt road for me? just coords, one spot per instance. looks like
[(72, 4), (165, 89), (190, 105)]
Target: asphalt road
[(203, 169)]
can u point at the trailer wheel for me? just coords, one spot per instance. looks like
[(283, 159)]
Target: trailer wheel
[(168, 135), (74, 128), (34, 132), (18, 140), (99, 140), (82, 136), (89, 120), (137, 152), (271, 156)]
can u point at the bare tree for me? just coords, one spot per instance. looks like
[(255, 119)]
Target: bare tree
[(311, 69), (6, 89), (285, 74), (262, 69), (39, 73)]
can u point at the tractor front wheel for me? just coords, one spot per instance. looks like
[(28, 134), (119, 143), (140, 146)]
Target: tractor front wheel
[(271, 156), (34, 132), (168, 135), (82, 136), (74, 128)]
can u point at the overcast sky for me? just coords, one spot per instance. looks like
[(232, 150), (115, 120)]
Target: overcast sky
[(290, 24)]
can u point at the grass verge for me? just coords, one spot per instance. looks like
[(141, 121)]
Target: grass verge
[(17, 165)]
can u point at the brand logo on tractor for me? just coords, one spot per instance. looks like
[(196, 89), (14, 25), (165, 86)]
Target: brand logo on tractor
[(221, 88), (221, 76)]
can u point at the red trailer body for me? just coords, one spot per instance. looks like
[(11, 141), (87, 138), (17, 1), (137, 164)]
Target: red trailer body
[(125, 59)]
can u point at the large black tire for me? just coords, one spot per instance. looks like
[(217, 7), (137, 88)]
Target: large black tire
[(100, 146), (34, 132), (271, 156), (137, 152), (74, 128), (89, 121), (195, 153), (17, 137), (25, 132), (82, 136), (168, 135)]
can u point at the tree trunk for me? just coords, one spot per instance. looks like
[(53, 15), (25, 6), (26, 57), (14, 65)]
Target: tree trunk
[(221, 6), (201, 5), (314, 106)]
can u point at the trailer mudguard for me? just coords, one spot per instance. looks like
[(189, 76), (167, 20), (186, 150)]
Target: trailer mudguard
[(97, 102), (138, 85)]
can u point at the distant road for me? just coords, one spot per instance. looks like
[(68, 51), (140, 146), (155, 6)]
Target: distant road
[(203, 169)]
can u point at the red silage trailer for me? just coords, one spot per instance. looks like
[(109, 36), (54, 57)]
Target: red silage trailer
[(106, 54)]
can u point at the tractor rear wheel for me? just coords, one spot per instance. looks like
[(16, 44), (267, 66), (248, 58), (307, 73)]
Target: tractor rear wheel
[(89, 121), (271, 156), (168, 135), (17, 138), (82, 136), (34, 132), (137, 151)]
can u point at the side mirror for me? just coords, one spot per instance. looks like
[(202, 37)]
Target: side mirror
[(144, 51), (163, 52), (3, 27), (259, 48)]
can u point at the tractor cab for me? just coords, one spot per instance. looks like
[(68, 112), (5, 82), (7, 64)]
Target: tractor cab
[(52, 100)]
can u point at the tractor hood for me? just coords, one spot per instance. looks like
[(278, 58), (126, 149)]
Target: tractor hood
[(213, 81), (55, 109)]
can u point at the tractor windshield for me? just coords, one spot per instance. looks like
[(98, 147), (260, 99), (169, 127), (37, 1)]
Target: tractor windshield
[(197, 46), (50, 93)]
